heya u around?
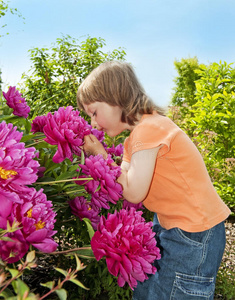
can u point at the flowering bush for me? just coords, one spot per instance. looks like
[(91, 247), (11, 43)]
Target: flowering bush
[(20, 203), (128, 244), (47, 185)]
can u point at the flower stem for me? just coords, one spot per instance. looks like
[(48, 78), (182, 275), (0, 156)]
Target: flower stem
[(68, 251), (35, 143), (65, 180)]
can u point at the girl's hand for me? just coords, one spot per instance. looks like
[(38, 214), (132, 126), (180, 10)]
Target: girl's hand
[(92, 146)]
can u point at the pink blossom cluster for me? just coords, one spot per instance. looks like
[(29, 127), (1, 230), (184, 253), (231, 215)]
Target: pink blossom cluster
[(36, 222), (129, 245), (38, 124), (116, 151), (104, 187), (15, 101), (127, 205), (17, 165), (18, 202), (66, 129), (81, 208)]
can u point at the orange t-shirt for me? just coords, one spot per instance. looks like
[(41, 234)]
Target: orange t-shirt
[(181, 192)]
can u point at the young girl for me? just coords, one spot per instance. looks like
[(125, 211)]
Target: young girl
[(162, 168)]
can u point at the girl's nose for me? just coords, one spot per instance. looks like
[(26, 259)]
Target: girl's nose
[(93, 123)]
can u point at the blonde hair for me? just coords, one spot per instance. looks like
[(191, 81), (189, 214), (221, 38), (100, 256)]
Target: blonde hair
[(115, 83)]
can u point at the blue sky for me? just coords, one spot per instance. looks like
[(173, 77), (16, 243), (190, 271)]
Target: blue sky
[(154, 33)]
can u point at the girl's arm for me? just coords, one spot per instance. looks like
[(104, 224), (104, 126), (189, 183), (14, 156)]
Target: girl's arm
[(136, 179), (125, 165), (136, 176)]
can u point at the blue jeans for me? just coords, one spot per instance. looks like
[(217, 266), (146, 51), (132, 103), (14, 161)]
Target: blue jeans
[(188, 266)]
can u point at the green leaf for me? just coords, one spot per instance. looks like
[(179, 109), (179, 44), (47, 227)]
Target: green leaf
[(73, 168), (6, 238), (82, 157), (110, 279), (85, 253), (27, 137), (49, 284), (30, 256), (62, 294), (32, 296), (8, 118), (62, 271), (12, 298), (80, 266), (7, 294), (65, 175), (27, 125), (20, 287), (89, 227), (40, 144), (77, 282), (13, 272)]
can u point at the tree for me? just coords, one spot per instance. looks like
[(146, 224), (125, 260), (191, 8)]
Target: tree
[(5, 8), (208, 118), (57, 71), (185, 82)]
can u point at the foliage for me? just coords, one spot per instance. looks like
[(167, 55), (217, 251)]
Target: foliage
[(4, 9), (73, 235), (208, 118), (209, 121), (225, 282), (184, 91), (58, 70), (11, 276), (185, 81)]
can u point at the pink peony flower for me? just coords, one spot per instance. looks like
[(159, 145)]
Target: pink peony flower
[(98, 134), (83, 209), (103, 188), (15, 101), (9, 134), (128, 244), (17, 165), (116, 151), (66, 129), (41, 171), (36, 219), (126, 205), (38, 124), (13, 250)]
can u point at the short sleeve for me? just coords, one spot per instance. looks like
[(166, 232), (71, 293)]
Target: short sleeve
[(126, 156), (152, 132)]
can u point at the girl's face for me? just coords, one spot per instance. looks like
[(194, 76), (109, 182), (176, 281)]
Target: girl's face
[(106, 118)]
